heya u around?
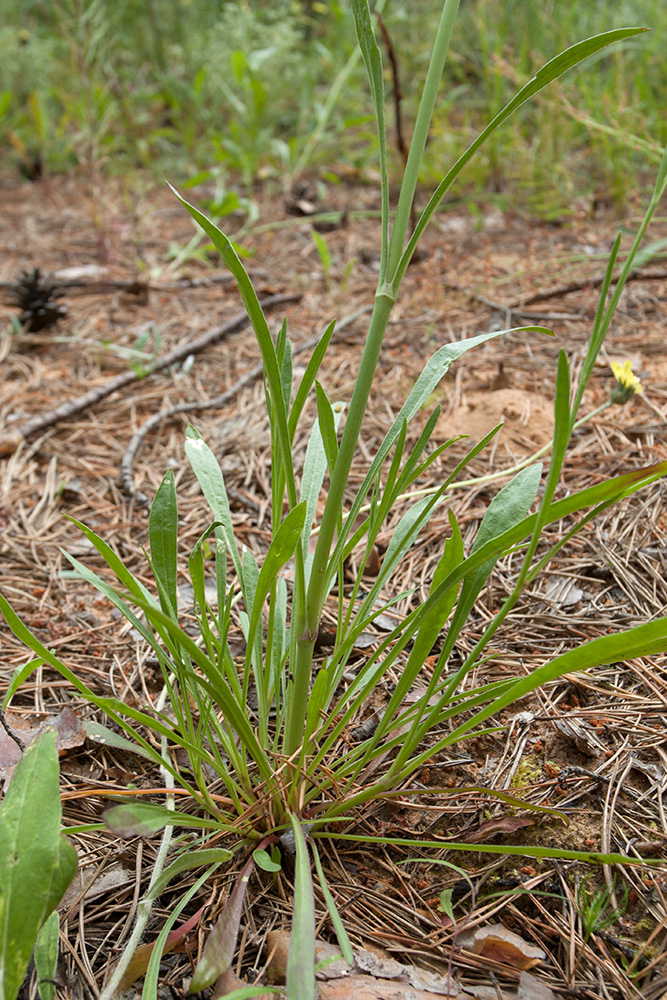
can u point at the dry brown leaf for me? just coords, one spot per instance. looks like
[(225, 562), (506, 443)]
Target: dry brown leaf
[(361, 987), (493, 827), (69, 733), (499, 944), (228, 982), (89, 885), (277, 943), (375, 976), (532, 988)]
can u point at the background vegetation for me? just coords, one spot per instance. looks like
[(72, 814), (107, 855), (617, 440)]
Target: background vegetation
[(236, 89)]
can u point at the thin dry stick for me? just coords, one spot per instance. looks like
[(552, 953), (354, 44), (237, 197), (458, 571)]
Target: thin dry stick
[(10, 442), (555, 291), (126, 474)]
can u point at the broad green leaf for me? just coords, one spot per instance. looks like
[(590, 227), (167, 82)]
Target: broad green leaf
[(507, 509), (441, 608), (163, 537), (301, 954), (141, 819), (108, 737), (47, 947), (264, 861), (220, 945), (36, 862)]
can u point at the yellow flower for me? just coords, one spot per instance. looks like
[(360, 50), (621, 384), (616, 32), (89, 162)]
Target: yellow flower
[(627, 383)]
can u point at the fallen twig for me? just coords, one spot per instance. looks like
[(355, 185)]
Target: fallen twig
[(554, 291), (126, 473), (11, 440)]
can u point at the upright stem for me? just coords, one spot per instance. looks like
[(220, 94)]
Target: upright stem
[(307, 623), (419, 137)]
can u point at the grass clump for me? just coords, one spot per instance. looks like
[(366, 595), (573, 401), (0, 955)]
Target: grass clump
[(276, 760)]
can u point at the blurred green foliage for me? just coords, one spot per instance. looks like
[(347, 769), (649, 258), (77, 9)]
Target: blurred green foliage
[(185, 87)]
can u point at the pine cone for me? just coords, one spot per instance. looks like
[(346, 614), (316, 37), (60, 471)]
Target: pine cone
[(37, 297)]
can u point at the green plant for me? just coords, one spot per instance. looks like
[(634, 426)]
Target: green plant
[(325, 255), (36, 863), (292, 766), (595, 910)]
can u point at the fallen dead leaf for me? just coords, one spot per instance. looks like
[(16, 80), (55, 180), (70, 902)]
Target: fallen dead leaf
[(499, 944), (372, 977), (494, 827), (228, 982), (532, 988), (69, 734), (89, 885), (362, 987)]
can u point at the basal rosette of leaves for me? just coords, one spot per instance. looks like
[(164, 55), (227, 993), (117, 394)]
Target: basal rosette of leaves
[(290, 768)]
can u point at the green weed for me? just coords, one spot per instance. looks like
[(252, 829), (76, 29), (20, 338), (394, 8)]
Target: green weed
[(279, 727)]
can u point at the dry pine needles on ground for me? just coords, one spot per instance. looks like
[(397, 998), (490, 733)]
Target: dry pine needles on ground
[(589, 745)]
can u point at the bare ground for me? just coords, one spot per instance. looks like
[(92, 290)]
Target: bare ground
[(590, 745)]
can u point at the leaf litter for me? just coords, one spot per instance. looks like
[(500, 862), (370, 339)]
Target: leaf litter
[(591, 745)]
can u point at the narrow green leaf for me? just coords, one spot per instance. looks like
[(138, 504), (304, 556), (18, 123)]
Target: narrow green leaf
[(643, 640), (149, 991), (526, 851), (284, 354), (47, 947), (209, 476), (309, 377), (185, 862), (551, 71), (336, 921), (301, 954), (130, 582), (163, 538), (19, 676), (36, 862), (281, 549), (315, 464), (372, 58), (261, 328), (326, 418)]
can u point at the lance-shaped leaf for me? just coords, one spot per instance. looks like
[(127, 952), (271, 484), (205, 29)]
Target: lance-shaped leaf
[(221, 943), (36, 862)]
